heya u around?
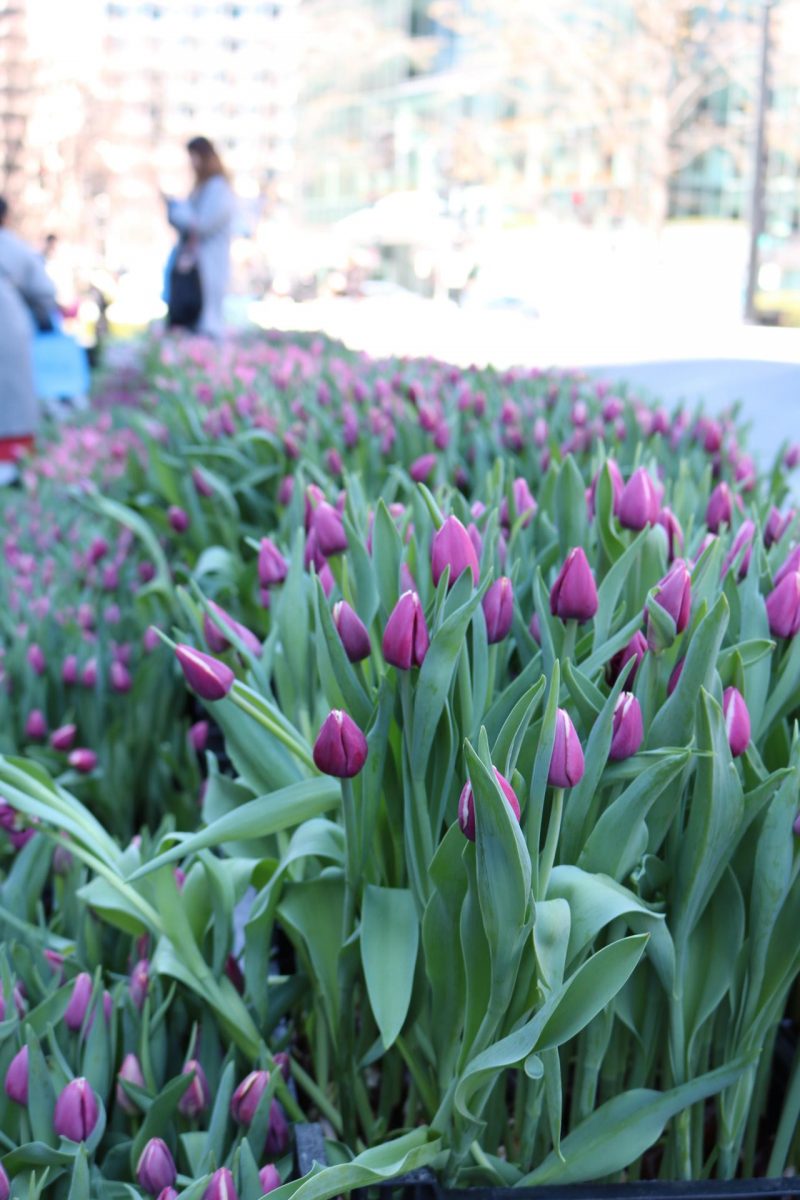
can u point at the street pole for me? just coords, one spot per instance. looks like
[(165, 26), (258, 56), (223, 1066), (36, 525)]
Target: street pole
[(757, 198)]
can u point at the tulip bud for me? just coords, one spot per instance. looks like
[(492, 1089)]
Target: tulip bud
[(776, 526), (277, 1141), (466, 804), (89, 673), (16, 1082), (244, 1101), (75, 1013), (272, 566), (83, 760), (498, 609), (790, 563), (209, 678), (674, 594), (155, 1169), (139, 982), (574, 594), (628, 733), (744, 538), (352, 631), (783, 606), (566, 762), (672, 528), (523, 501), (119, 677), (36, 659), (76, 1111), (5, 1184), (675, 675), (719, 510), (535, 629), (55, 960), (329, 529), (201, 484), (635, 649), (451, 547), (196, 1097), (168, 1193), (178, 518), (737, 720), (268, 1178), (69, 670), (221, 1186), (405, 638), (284, 1064), (422, 467), (340, 748), (216, 639), (36, 725), (131, 1072), (639, 503)]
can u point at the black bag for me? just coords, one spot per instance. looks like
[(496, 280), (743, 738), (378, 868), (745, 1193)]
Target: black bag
[(185, 292)]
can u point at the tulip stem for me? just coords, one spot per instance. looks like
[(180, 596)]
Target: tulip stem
[(291, 744), (352, 858), (570, 635), (551, 842)]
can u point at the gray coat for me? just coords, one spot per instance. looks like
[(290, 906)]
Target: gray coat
[(208, 214), (23, 281)]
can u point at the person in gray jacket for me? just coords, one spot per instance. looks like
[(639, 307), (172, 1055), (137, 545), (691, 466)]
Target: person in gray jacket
[(27, 297), (204, 221)]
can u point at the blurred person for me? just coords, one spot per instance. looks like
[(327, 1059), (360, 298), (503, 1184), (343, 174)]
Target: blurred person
[(200, 264), (27, 300)]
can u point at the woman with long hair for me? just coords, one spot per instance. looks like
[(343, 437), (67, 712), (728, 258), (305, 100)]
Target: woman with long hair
[(204, 222)]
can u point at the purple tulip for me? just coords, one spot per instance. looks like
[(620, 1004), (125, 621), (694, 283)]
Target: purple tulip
[(89, 673), (155, 1169), (268, 1178), (221, 1186), (783, 606), (82, 759), (139, 982), (244, 1101), (573, 596), (791, 563), (675, 675), (209, 678), (405, 638), (566, 762), (422, 467), (201, 484), (168, 1193), (272, 566), (719, 510), (178, 518), (535, 629), (119, 677), (131, 1072), (737, 720), (744, 538), (36, 659), (329, 529), (195, 1099), (466, 804), (277, 1142), (16, 1082), (636, 648), (451, 547), (5, 1184), (352, 631), (776, 525), (75, 1013), (76, 1111), (523, 501), (674, 594), (216, 640), (671, 526), (498, 609), (36, 725), (69, 670), (341, 748), (628, 733), (639, 503), (617, 487)]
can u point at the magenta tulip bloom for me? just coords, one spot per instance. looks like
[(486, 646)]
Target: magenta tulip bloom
[(221, 1186), (75, 1013), (352, 631), (783, 606), (178, 518), (498, 609), (244, 1101), (790, 563), (422, 467), (719, 510), (131, 1072), (36, 659), (451, 547), (329, 529), (675, 675), (119, 677), (671, 526), (639, 503), (36, 725), (776, 526), (617, 487), (198, 736), (155, 1169), (341, 748), (69, 669), (16, 1081), (268, 1178), (466, 804), (216, 639), (405, 638), (272, 566), (635, 649), (628, 733), (566, 763), (737, 720), (744, 538), (82, 759), (209, 678), (196, 1098), (139, 982), (573, 596), (76, 1111), (674, 594)]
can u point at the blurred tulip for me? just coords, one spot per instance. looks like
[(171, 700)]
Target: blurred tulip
[(244, 1101), (139, 983), (783, 606), (195, 1099), (269, 1178), (329, 529), (720, 507), (178, 518), (36, 725), (272, 566), (672, 528), (131, 1072), (82, 759)]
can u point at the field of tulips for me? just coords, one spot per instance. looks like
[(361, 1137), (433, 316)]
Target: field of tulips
[(403, 749)]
